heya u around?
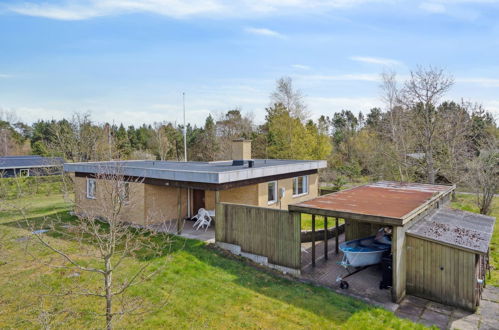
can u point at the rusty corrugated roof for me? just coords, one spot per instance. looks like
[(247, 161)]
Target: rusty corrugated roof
[(462, 229), (384, 199)]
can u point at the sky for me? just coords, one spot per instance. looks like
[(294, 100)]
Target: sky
[(129, 61)]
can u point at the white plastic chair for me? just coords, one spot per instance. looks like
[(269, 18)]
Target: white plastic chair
[(203, 219)]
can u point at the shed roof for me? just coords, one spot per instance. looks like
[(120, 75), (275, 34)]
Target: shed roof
[(206, 172), (464, 230), (385, 200), (11, 162)]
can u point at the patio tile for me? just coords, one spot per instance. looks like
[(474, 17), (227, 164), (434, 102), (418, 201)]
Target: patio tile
[(410, 308), (416, 300), (435, 318), (440, 308), (463, 325)]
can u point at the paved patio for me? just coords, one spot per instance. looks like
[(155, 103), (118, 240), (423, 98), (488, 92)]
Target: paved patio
[(188, 230), (363, 285), (446, 317)]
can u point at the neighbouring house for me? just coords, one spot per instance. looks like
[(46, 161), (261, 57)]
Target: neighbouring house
[(168, 190), (23, 166)]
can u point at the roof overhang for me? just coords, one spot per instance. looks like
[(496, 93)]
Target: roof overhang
[(206, 176)]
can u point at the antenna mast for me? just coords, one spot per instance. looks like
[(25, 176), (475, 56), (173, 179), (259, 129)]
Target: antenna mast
[(185, 129)]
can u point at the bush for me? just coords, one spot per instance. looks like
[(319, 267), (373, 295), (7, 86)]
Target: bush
[(12, 188)]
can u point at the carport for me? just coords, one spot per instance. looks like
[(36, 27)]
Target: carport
[(367, 208)]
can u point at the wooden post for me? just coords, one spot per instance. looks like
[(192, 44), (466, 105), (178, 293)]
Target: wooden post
[(179, 210), (336, 248), (313, 240), (325, 238), (217, 197), (398, 263)]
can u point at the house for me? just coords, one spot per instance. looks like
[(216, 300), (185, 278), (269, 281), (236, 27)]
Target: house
[(22, 166), (167, 190)]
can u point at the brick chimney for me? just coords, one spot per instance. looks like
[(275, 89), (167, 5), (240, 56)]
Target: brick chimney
[(241, 149)]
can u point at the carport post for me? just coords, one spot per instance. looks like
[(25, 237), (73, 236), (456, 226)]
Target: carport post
[(398, 263), (313, 240), (325, 238), (337, 235)]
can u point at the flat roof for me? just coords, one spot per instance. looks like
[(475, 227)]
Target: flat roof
[(12, 162), (464, 230), (386, 199), (206, 172)]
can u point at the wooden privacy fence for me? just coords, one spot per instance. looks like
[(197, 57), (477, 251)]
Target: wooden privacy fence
[(274, 234)]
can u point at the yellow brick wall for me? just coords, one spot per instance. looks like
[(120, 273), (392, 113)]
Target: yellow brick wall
[(132, 211), (247, 195), (161, 203), (152, 204), (287, 184)]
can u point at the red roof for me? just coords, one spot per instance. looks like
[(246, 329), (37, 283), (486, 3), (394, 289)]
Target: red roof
[(384, 199)]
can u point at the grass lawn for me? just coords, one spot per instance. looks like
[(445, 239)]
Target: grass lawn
[(465, 202), (200, 286), (306, 222)]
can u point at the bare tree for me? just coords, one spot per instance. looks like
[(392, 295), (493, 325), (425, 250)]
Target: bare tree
[(77, 139), (161, 142), (483, 176), (421, 94), (106, 239), (291, 98), (397, 119)]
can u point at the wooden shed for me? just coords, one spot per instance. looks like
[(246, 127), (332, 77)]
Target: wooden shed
[(447, 255)]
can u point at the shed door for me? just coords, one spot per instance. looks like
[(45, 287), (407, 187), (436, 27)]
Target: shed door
[(197, 200)]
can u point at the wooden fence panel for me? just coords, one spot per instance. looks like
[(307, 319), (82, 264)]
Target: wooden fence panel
[(261, 231)]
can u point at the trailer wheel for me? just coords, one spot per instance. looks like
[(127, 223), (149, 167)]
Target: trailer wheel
[(344, 285)]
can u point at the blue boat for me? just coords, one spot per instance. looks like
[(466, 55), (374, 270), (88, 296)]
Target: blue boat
[(363, 252)]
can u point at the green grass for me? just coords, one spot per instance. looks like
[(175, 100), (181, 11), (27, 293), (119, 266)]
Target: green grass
[(201, 286), (13, 188), (306, 222), (466, 203)]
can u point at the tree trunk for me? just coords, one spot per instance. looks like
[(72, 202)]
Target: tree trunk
[(109, 297)]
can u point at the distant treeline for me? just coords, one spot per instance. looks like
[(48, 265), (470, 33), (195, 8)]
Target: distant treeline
[(417, 136)]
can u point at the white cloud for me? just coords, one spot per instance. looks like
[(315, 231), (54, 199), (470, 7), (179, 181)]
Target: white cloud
[(376, 60), (433, 7), (87, 9), (343, 77), (264, 32), (485, 82), (4, 75), (301, 66)]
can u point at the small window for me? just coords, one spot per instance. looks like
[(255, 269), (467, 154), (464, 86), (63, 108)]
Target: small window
[(300, 185), (24, 172), (91, 188), (124, 191), (272, 192)]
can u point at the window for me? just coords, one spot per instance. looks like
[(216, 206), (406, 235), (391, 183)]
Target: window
[(91, 188), (272, 192), (300, 185), (124, 191), (24, 172)]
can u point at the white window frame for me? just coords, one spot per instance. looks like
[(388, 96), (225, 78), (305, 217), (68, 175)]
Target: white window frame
[(305, 186), (24, 170), (124, 187), (270, 202), (91, 196)]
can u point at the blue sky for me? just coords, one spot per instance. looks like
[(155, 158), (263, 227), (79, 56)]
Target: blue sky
[(130, 60)]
